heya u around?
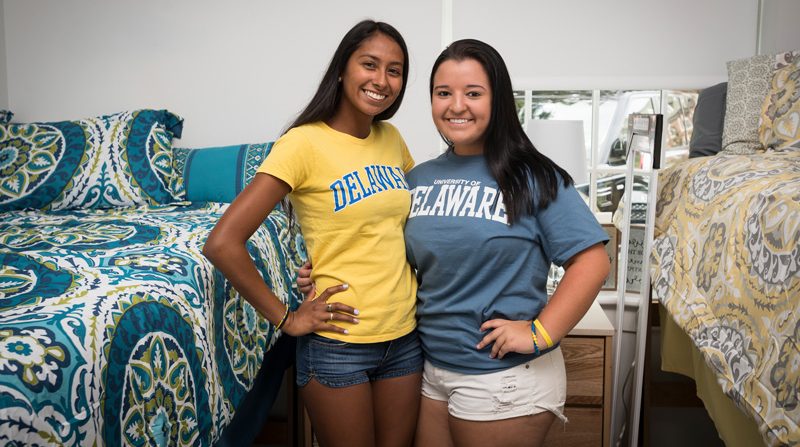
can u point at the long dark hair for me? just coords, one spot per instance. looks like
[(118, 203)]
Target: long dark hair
[(509, 153), (325, 101), (323, 104)]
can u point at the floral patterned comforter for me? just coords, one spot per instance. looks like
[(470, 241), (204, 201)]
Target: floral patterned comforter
[(726, 265), (115, 330)]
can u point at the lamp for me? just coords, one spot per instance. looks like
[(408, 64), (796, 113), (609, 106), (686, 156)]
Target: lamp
[(561, 141)]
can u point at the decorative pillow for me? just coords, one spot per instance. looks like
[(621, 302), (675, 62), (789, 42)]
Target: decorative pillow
[(707, 122), (748, 83), (5, 116), (780, 115), (219, 174), (110, 161)]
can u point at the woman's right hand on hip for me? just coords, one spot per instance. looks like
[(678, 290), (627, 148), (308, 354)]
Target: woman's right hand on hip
[(315, 314)]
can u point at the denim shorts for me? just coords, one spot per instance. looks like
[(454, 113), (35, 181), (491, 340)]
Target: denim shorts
[(337, 364)]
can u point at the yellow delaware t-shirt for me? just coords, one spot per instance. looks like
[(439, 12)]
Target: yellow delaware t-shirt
[(351, 200)]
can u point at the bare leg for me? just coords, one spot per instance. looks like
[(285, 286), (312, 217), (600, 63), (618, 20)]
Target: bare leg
[(340, 416), (433, 428), (522, 431), (396, 404)]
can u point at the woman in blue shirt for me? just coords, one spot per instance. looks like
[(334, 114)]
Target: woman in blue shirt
[(487, 219)]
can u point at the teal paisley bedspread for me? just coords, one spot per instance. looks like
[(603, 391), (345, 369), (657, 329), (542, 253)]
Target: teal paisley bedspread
[(115, 330)]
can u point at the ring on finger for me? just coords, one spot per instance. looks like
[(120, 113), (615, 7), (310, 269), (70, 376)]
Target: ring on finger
[(331, 319), (330, 308)]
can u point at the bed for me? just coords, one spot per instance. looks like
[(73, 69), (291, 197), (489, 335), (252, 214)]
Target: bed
[(726, 269), (114, 328), (726, 254)]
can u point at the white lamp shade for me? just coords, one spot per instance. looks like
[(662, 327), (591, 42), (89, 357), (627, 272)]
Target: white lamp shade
[(561, 141)]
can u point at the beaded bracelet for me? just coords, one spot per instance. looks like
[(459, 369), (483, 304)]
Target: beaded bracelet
[(535, 342), (283, 320)]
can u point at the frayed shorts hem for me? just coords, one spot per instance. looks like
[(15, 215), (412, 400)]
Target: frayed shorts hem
[(356, 379)]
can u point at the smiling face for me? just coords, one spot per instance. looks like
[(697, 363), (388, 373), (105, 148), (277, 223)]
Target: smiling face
[(461, 104), (372, 78)]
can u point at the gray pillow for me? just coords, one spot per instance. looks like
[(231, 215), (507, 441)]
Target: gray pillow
[(748, 84), (708, 121)]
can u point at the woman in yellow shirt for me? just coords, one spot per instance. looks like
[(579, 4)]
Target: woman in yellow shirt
[(343, 168)]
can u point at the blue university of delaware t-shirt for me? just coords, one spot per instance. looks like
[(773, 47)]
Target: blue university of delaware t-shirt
[(472, 266)]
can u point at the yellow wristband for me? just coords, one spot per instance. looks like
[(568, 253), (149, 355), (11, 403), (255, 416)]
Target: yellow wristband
[(543, 332)]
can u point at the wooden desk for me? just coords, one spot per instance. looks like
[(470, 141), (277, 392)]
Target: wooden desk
[(587, 357)]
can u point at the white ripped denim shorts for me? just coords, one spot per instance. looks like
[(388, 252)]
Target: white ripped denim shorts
[(530, 388)]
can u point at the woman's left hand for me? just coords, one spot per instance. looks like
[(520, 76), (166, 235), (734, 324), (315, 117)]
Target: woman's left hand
[(507, 336)]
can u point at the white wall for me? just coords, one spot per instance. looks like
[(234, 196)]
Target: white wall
[(779, 29), (612, 44), (236, 71), (3, 75), (239, 71)]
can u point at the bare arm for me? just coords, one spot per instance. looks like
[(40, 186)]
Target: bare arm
[(226, 249), (583, 277)]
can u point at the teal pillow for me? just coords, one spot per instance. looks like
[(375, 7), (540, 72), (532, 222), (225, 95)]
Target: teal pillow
[(219, 174), (111, 161)]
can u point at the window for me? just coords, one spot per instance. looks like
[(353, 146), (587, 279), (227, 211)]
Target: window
[(605, 119), (604, 114)]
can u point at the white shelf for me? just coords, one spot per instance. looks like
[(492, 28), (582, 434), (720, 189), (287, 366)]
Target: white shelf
[(594, 323)]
